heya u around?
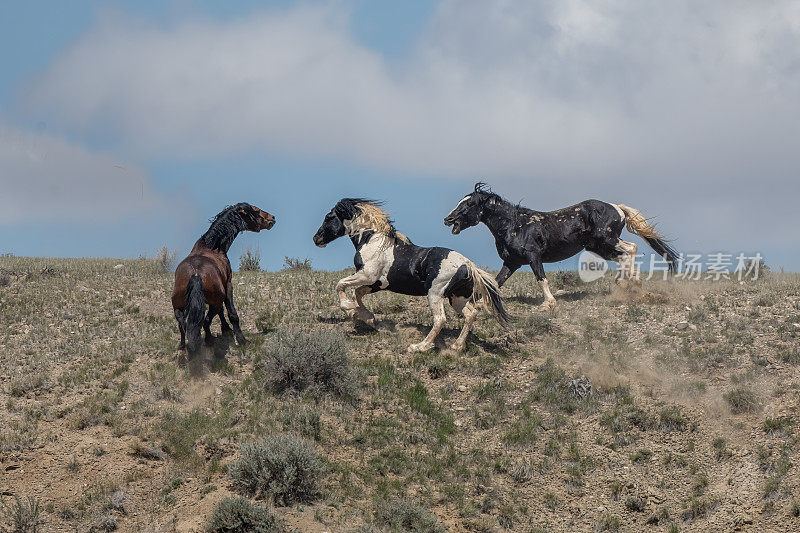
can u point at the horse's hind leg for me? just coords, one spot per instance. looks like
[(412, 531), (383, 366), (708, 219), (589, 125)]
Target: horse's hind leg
[(234, 317), (467, 308), (181, 326), (623, 252), (212, 312), (627, 261), (436, 303), (224, 326)]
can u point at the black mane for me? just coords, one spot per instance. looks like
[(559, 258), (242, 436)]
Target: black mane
[(227, 225), (517, 211)]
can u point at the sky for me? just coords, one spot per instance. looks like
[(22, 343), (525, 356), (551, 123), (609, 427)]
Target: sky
[(125, 126)]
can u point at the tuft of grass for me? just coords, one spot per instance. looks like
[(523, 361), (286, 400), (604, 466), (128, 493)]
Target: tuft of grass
[(418, 400), (608, 522), (239, 515), (403, 515), (672, 419), (741, 400), (23, 514), (551, 388), (282, 466), (524, 431), (315, 361), (781, 424)]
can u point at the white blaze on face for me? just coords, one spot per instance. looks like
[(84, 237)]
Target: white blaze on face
[(467, 197)]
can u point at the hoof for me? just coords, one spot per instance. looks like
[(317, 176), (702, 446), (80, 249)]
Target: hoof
[(241, 341), (548, 305), (209, 341), (421, 347), (364, 316), (348, 306), (458, 347), (181, 346)]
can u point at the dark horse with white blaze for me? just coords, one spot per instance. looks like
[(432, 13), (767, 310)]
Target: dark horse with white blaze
[(204, 277), (386, 260), (527, 237)]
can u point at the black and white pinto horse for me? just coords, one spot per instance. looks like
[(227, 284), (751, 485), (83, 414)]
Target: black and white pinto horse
[(527, 237), (387, 260)]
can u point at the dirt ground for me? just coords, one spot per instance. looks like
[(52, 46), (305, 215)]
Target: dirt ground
[(671, 408)]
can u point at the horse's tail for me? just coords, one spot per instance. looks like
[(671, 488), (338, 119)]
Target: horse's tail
[(195, 313), (639, 225), (485, 289)]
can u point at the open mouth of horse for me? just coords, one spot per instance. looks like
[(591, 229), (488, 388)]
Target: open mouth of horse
[(456, 228)]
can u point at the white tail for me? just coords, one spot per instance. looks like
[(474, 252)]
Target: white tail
[(486, 291)]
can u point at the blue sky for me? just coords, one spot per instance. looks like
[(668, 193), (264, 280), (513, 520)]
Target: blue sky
[(124, 126)]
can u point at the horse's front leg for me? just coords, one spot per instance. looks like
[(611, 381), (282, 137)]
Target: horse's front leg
[(538, 271), (361, 312), (234, 316), (505, 273), (355, 280)]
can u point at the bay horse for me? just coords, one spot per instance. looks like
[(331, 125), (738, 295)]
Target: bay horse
[(387, 260), (204, 277), (526, 237)]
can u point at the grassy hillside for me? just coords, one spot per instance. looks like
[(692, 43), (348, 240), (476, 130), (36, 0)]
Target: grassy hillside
[(674, 408)]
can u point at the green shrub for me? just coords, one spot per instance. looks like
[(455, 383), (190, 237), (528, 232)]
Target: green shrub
[(283, 466), (403, 515), (317, 361), (238, 515)]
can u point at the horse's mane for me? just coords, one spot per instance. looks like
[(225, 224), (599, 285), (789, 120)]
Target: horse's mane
[(225, 226), (368, 215), (518, 210)]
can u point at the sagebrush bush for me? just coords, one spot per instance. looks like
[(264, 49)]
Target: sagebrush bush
[(295, 264), (403, 515), (282, 466), (741, 400), (165, 259), (316, 361), (238, 515), (250, 261)]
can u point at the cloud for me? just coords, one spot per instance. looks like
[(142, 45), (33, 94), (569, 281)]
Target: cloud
[(44, 179), (676, 104)]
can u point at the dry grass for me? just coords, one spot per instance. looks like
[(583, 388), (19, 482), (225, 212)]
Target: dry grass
[(685, 427)]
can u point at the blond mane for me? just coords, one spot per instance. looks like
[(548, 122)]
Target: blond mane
[(372, 217)]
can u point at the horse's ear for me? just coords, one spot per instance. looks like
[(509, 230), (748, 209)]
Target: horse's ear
[(479, 186)]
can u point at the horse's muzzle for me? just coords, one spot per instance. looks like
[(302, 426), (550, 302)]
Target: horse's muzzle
[(318, 242), (456, 225)]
